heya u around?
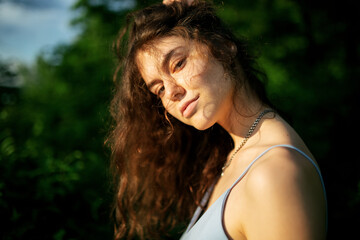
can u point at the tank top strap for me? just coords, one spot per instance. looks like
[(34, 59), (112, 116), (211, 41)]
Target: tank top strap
[(215, 213), (200, 208), (276, 146), (262, 154)]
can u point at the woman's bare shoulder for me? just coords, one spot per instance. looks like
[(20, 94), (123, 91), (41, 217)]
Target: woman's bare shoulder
[(282, 194)]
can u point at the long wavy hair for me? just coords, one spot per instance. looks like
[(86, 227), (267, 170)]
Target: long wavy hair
[(162, 167)]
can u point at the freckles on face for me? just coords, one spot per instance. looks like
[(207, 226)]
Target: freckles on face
[(190, 83)]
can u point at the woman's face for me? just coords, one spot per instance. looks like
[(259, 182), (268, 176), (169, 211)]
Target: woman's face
[(191, 84)]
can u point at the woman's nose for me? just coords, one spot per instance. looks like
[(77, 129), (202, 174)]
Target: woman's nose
[(174, 91)]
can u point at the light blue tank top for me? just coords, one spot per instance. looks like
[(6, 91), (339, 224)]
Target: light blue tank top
[(210, 225)]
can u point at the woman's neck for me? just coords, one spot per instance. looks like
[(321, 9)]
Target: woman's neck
[(241, 116)]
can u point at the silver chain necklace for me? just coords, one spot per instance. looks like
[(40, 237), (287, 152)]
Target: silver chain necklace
[(251, 130)]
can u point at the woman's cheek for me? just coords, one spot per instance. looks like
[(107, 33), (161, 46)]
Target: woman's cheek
[(170, 108)]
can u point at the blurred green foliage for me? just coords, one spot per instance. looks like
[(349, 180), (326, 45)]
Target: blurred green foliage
[(54, 181)]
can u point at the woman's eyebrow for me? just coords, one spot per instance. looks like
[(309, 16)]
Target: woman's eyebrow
[(164, 65), (152, 83), (166, 59)]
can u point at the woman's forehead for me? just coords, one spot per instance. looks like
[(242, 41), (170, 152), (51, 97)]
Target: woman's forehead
[(159, 49), (160, 46), (155, 52)]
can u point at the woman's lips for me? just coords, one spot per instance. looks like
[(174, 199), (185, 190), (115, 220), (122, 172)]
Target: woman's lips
[(188, 108)]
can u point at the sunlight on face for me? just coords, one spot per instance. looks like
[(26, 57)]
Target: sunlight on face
[(189, 81)]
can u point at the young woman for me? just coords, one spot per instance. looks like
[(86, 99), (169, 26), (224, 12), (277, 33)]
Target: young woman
[(195, 132)]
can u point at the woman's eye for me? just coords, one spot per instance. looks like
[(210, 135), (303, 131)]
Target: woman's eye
[(179, 65), (160, 91)]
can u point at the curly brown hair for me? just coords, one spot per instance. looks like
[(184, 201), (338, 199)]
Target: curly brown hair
[(162, 167)]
